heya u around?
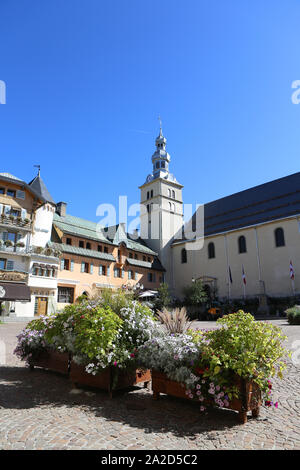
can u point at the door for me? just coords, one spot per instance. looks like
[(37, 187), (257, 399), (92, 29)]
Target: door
[(41, 305)]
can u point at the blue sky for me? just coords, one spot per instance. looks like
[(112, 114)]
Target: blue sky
[(87, 79)]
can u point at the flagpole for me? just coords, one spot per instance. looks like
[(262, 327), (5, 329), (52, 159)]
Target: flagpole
[(228, 275)]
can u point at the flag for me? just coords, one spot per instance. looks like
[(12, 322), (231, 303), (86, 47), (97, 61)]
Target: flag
[(292, 272), (230, 276), (243, 275)]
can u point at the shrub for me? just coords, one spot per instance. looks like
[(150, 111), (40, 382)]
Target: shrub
[(163, 298), (175, 321), (293, 315), (195, 294)]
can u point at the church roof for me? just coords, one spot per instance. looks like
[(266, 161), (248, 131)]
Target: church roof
[(270, 201)]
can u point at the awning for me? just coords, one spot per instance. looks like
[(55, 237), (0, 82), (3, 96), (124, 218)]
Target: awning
[(14, 291), (148, 293)]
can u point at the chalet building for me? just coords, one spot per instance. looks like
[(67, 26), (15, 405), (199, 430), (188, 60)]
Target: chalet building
[(94, 258), (28, 268)]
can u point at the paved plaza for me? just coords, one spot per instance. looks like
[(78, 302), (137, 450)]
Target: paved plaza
[(40, 410)]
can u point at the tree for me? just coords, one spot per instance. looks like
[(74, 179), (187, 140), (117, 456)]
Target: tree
[(195, 294), (163, 298)]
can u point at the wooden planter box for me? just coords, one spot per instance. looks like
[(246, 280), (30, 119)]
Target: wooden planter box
[(250, 393), (52, 360), (105, 380)]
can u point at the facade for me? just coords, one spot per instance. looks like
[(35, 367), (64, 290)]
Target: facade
[(94, 258), (28, 268), (251, 239)]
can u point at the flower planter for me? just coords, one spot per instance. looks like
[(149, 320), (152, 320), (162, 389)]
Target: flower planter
[(52, 360), (249, 391), (105, 380)]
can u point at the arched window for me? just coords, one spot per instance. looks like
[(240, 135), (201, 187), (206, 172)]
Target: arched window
[(173, 194), (242, 244), (183, 256), (279, 237), (169, 192), (211, 250)]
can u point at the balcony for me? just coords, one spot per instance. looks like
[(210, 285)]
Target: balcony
[(15, 276), (30, 251), (12, 221)]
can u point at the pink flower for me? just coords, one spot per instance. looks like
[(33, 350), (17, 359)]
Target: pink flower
[(276, 404), (202, 408), (115, 363)]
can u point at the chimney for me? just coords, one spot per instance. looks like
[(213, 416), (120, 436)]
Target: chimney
[(61, 208)]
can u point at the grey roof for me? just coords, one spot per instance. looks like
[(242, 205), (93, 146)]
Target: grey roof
[(155, 265), (80, 227), (38, 185), (9, 176), (75, 250), (270, 201)]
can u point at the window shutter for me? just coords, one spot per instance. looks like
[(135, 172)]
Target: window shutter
[(82, 267), (23, 213), (123, 273), (100, 270), (72, 265), (62, 264), (91, 268), (136, 276), (9, 265), (108, 271)]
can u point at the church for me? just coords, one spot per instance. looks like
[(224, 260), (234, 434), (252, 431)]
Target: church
[(249, 242)]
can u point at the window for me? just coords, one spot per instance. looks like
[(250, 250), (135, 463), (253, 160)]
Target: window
[(144, 258), (69, 241), (151, 192), (88, 246), (148, 208), (65, 295), (100, 248), (135, 256), (242, 244), (147, 194), (169, 192), (20, 194), (183, 256), (130, 255), (117, 272), (157, 165), (130, 274), (2, 263), (15, 212), (11, 193), (163, 164), (81, 244), (173, 194), (279, 237), (66, 264), (2, 191), (149, 260), (105, 249), (150, 277), (211, 250), (101, 270), (86, 268)]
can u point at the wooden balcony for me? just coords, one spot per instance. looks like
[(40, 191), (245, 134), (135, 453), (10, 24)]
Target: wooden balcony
[(8, 221)]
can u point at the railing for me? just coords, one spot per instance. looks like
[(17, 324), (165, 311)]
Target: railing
[(31, 250), (15, 221)]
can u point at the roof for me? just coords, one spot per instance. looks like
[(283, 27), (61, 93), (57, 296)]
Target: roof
[(270, 201), (75, 250), (79, 227), (38, 185), (156, 264), (117, 234)]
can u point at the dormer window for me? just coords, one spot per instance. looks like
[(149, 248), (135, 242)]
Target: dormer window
[(163, 164), (11, 193)]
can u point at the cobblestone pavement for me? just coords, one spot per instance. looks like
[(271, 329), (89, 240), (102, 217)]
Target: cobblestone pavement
[(39, 410)]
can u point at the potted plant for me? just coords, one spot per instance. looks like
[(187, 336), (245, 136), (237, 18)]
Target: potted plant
[(229, 367), (20, 245), (33, 348)]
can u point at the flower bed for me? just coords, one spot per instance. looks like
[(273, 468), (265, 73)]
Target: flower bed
[(250, 394), (229, 367), (52, 360), (109, 378)]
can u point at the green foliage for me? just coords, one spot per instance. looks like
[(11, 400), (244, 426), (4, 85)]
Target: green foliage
[(116, 300), (293, 315), (249, 348), (163, 298), (195, 294)]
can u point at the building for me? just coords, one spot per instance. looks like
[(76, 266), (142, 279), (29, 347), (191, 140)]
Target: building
[(94, 258), (28, 267), (251, 245)]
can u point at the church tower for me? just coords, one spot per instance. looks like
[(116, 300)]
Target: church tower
[(161, 207)]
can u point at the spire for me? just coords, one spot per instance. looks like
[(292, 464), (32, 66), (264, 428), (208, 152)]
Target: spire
[(39, 169)]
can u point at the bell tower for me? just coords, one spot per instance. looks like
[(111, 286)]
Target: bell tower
[(161, 207)]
